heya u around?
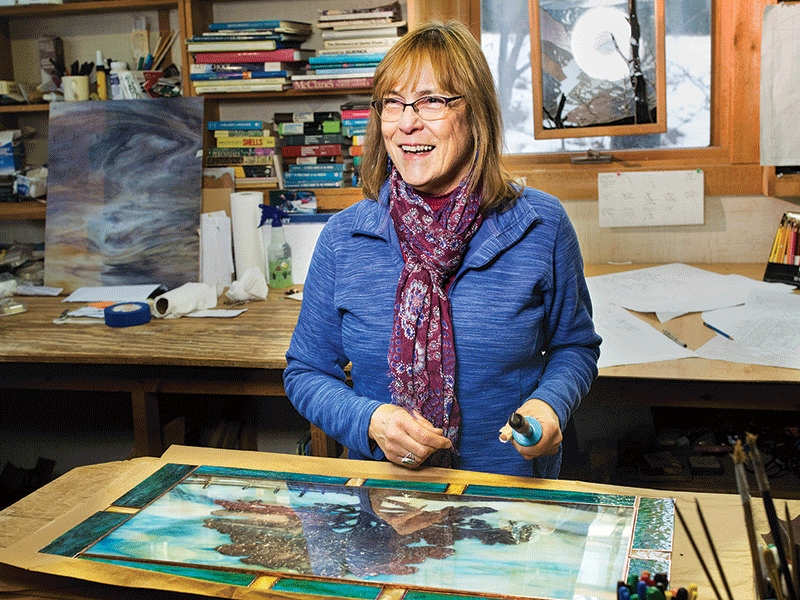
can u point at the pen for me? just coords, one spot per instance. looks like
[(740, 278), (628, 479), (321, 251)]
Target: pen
[(673, 338), (722, 333), (527, 431)]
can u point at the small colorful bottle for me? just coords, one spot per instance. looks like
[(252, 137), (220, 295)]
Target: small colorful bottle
[(279, 253)]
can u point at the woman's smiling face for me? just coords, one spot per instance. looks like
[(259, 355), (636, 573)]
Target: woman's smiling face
[(431, 156)]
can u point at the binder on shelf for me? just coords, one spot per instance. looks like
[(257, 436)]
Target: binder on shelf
[(784, 258)]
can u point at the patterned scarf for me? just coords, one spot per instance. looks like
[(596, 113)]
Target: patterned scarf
[(421, 352)]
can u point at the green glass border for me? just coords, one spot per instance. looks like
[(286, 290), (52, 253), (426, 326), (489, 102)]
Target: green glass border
[(655, 523), (427, 595), (549, 495), (277, 475), (327, 588), (227, 577), (416, 486), (84, 534), (155, 485)]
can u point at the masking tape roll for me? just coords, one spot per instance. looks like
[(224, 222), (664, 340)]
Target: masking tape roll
[(127, 314)]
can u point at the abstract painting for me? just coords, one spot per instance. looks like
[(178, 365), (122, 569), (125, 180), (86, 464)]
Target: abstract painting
[(124, 192), (358, 538)]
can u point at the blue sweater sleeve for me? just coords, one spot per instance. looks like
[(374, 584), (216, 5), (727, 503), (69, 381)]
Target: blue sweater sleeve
[(572, 346), (315, 379)]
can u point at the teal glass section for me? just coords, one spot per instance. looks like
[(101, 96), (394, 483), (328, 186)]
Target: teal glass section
[(82, 535), (655, 522), (155, 485), (274, 475), (229, 577), (423, 486), (549, 495), (327, 588), (637, 565)]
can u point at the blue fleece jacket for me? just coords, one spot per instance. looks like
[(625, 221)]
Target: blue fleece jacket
[(521, 316)]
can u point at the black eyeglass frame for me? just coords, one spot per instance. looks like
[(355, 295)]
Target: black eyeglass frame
[(413, 105)]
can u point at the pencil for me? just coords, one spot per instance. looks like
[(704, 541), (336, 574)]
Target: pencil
[(697, 552), (739, 458), (713, 550), (772, 516)]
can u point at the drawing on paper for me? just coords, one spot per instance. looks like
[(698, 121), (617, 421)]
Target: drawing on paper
[(312, 532)]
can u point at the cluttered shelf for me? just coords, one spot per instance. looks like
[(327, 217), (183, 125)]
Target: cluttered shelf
[(77, 8), (19, 211)]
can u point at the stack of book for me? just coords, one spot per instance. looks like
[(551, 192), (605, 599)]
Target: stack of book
[(313, 150), (355, 116), (251, 147), (248, 56), (354, 42)]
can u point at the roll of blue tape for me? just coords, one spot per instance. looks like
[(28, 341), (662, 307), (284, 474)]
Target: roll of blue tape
[(127, 314)]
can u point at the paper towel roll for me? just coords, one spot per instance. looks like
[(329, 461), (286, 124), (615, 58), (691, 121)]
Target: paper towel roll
[(185, 299), (248, 243)]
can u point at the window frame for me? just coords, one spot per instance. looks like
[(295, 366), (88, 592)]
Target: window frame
[(730, 164)]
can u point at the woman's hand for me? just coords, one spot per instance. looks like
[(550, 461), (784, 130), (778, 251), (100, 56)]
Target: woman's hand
[(551, 430), (406, 437)]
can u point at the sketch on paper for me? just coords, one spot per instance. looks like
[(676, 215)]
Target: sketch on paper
[(237, 525), (124, 192)]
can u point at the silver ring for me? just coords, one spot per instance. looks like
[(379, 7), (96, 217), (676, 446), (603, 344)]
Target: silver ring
[(409, 459)]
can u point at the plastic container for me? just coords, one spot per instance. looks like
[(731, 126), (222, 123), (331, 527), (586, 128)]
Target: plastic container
[(114, 82), (279, 253)]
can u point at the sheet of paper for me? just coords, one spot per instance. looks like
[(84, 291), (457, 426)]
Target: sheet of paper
[(780, 85), (649, 198), (113, 293), (628, 340), (765, 331), (674, 289)]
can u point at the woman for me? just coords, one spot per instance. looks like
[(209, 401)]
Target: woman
[(457, 296)]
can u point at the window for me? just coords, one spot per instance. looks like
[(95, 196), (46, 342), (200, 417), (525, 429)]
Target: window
[(505, 33), (728, 156)]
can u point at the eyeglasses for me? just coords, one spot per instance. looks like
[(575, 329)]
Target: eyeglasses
[(429, 108)]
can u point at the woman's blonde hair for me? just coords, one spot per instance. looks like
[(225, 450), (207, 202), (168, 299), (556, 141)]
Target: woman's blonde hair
[(460, 69)]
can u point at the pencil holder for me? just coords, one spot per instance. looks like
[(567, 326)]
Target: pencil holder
[(784, 258)]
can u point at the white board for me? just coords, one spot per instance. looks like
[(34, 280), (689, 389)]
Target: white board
[(649, 198)]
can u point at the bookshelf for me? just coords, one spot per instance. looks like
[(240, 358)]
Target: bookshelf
[(105, 25)]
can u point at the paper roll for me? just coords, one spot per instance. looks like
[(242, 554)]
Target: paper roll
[(185, 299), (248, 243)]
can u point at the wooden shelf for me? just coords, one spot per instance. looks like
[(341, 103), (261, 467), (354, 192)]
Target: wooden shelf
[(24, 108), (21, 211), (82, 8)]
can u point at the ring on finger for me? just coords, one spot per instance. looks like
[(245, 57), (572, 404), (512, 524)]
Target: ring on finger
[(409, 459)]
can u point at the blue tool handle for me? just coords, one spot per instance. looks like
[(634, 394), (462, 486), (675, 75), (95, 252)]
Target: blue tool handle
[(527, 431)]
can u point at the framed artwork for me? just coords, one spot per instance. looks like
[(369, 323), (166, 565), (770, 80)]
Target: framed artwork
[(225, 530), (124, 192), (598, 67)]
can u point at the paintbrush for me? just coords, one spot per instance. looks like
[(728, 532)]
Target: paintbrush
[(739, 459), (713, 550), (774, 575), (792, 549), (772, 516), (697, 552)]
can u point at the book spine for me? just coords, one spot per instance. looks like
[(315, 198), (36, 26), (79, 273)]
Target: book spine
[(216, 76), (310, 140), (314, 160), (243, 133), (315, 150), (282, 55), (269, 24), (261, 151), (316, 168), (306, 117), (332, 84), (265, 45), (230, 161), (345, 57), (318, 184), (320, 128), (313, 176), (213, 89), (216, 125), (223, 68), (245, 142), (360, 113)]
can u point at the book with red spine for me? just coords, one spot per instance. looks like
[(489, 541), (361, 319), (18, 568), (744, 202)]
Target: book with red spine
[(332, 84), (282, 54), (314, 150)]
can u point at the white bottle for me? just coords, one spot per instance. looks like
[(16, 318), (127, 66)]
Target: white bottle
[(114, 83)]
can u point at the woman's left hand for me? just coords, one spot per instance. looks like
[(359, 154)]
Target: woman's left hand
[(551, 430)]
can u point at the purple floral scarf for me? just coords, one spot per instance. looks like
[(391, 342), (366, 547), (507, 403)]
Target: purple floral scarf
[(421, 352)]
